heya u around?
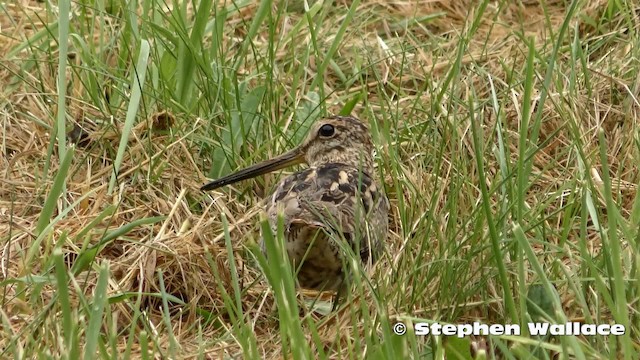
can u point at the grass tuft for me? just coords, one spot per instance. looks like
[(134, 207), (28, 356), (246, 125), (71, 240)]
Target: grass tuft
[(506, 139)]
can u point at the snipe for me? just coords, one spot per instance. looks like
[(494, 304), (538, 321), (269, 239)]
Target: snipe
[(335, 199)]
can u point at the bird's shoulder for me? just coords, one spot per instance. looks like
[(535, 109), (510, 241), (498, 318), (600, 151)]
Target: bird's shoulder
[(331, 185)]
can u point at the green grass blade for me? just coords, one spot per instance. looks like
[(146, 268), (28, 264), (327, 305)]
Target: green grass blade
[(611, 246), (57, 189), (96, 312), (87, 256), (137, 85), (63, 299), (63, 43)]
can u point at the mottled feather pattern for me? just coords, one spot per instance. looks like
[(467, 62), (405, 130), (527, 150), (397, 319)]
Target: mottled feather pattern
[(344, 202), (335, 199)]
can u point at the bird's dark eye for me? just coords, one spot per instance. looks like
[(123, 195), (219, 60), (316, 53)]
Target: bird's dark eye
[(327, 130)]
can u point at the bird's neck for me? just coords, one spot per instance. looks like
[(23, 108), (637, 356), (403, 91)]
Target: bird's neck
[(349, 157)]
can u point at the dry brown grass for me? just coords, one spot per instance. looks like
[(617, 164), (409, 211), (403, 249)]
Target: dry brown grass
[(162, 170)]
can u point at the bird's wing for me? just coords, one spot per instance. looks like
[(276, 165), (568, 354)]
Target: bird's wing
[(340, 199)]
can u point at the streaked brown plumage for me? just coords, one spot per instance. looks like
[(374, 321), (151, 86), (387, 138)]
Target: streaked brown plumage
[(335, 198)]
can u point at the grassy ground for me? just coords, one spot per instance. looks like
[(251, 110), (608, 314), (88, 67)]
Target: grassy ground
[(507, 137)]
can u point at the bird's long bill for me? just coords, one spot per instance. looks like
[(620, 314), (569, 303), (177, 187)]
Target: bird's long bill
[(292, 157)]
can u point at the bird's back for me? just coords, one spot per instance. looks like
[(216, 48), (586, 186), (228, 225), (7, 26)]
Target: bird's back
[(321, 205)]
